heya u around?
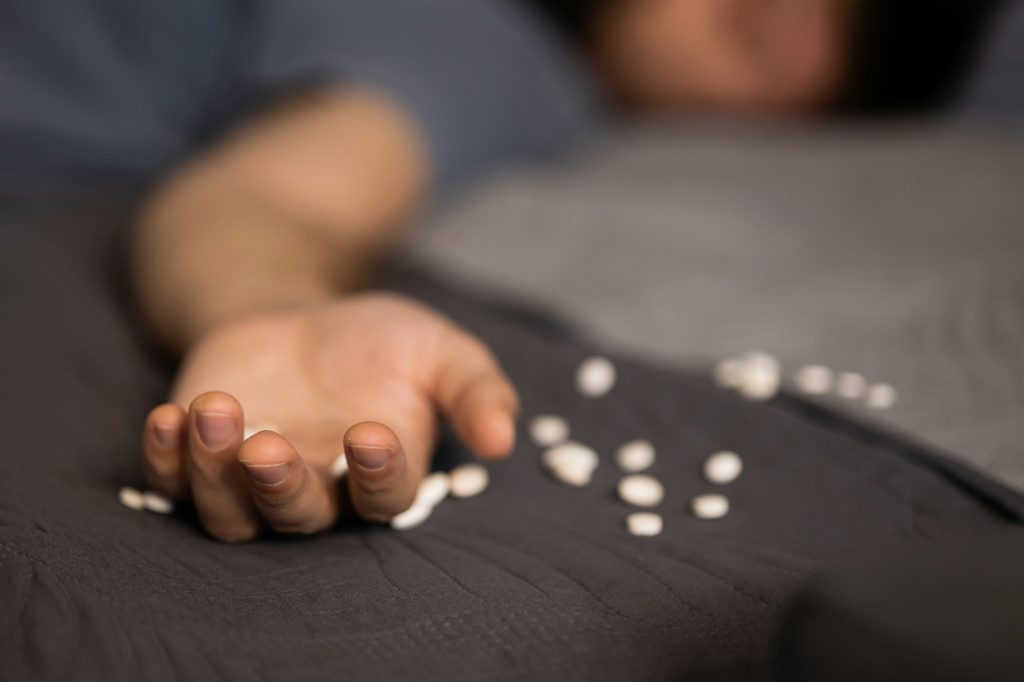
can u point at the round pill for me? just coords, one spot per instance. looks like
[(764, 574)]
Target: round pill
[(571, 454), (761, 377), (433, 489), (468, 480), (728, 373), (814, 379), (634, 456), (723, 467), (412, 517), (710, 506), (250, 431), (339, 467), (571, 473), (157, 503), (548, 430), (641, 490), (644, 524), (595, 377), (851, 385), (880, 397), (132, 498)]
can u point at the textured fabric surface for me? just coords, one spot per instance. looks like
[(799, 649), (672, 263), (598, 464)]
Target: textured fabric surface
[(892, 251), (531, 580)]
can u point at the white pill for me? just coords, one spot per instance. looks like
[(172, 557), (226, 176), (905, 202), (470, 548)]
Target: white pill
[(851, 385), (880, 397), (595, 377), (572, 474), (548, 430), (250, 431), (814, 379), (728, 373), (644, 524), (412, 517), (723, 467), (132, 498), (761, 378), (641, 490), (433, 489), (157, 503), (468, 480), (573, 454), (339, 467), (710, 506), (634, 456)]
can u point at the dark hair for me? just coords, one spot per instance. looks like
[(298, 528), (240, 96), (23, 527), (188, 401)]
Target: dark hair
[(574, 17), (910, 56)]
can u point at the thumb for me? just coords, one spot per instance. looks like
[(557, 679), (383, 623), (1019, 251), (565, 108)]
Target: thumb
[(473, 392)]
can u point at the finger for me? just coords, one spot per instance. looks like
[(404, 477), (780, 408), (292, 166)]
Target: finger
[(163, 447), (382, 481), (293, 497), (219, 486), (474, 393)]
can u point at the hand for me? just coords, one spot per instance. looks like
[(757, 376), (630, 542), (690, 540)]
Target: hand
[(369, 373)]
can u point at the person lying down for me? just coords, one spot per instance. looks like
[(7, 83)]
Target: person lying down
[(288, 142)]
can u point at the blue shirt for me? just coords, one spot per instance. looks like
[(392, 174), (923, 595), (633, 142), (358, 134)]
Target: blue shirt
[(132, 86)]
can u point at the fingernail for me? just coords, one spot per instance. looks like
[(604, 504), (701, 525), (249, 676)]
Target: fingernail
[(269, 475), (166, 436), (369, 457), (215, 430)]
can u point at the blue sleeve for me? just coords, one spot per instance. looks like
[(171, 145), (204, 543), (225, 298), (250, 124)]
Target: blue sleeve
[(486, 81), (994, 93)]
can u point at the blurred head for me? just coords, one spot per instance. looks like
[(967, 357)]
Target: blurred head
[(777, 56), (745, 55)]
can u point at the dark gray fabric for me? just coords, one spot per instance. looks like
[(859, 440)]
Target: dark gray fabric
[(531, 580), (126, 87)]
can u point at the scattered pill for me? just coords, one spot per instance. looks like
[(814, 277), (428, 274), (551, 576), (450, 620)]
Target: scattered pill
[(728, 373), (132, 498), (433, 489), (880, 397), (157, 503), (641, 490), (851, 385), (635, 456), (644, 524), (710, 506), (468, 480), (761, 377), (549, 430), (723, 467), (339, 467), (412, 517), (572, 463), (814, 379), (595, 377)]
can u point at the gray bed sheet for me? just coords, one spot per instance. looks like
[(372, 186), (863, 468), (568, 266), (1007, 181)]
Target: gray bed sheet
[(896, 251)]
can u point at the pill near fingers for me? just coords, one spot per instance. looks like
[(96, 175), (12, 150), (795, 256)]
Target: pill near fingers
[(132, 498), (250, 431), (851, 385), (339, 467), (572, 473), (548, 430), (761, 377), (723, 467), (433, 489), (709, 506), (644, 524), (814, 379), (572, 454), (641, 490), (157, 503), (634, 456), (412, 517), (595, 377), (468, 480), (728, 373), (880, 397)]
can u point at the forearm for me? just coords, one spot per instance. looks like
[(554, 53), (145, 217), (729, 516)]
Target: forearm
[(291, 211)]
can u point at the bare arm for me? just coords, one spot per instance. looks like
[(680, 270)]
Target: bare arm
[(291, 209)]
